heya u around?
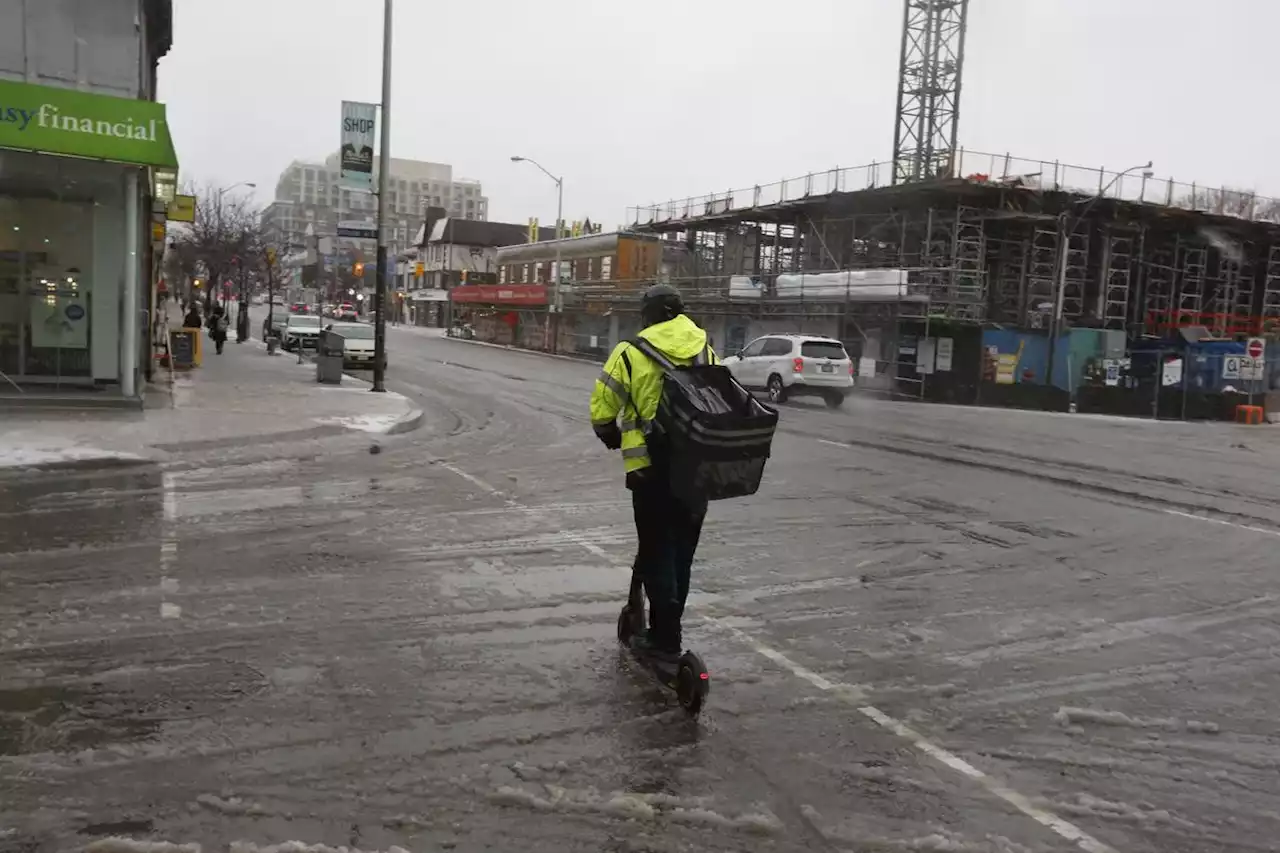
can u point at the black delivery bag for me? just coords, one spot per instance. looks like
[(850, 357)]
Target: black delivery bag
[(713, 434)]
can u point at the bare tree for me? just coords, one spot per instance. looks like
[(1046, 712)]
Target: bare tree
[(220, 242)]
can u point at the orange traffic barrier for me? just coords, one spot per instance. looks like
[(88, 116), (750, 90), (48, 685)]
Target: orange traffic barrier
[(1248, 414)]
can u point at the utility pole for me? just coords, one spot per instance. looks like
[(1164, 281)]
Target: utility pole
[(384, 183), (557, 303), (1067, 227)]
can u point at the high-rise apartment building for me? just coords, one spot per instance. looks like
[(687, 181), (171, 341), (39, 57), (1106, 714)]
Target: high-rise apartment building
[(310, 194)]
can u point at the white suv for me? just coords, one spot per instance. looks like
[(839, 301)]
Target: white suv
[(795, 365)]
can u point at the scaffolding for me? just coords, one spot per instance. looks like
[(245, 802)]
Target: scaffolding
[(1118, 267)]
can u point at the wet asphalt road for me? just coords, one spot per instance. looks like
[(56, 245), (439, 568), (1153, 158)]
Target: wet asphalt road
[(933, 629)]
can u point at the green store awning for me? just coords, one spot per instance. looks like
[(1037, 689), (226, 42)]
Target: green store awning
[(51, 120)]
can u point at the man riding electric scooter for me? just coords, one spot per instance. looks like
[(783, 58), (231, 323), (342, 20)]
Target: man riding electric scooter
[(667, 527)]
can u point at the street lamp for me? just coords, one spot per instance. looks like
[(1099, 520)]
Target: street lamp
[(555, 287), (1064, 235), (241, 325)]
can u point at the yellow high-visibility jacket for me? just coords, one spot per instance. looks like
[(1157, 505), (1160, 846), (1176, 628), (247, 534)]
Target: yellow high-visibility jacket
[(633, 395)]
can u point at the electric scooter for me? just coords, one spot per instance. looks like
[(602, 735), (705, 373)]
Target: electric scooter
[(688, 677)]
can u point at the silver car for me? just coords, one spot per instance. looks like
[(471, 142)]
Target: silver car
[(793, 366)]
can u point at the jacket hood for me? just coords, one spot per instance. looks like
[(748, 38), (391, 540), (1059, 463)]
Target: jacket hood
[(679, 337)]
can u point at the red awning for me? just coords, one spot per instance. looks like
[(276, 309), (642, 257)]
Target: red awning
[(501, 294)]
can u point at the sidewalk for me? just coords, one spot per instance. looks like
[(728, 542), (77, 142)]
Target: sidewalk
[(243, 396)]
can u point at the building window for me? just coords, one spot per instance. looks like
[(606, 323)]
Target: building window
[(606, 268), (502, 275)]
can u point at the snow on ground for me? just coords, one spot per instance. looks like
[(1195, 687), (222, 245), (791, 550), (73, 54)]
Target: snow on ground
[(22, 455), (380, 424), (129, 845), (634, 806)]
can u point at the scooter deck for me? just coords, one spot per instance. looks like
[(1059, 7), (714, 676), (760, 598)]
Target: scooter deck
[(664, 671)]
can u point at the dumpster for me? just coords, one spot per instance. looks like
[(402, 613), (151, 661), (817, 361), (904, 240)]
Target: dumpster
[(329, 357)]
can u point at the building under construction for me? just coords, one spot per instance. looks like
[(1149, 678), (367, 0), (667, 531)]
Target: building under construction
[(918, 262), (995, 240)]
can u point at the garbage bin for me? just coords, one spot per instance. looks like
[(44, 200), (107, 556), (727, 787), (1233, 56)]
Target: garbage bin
[(329, 357)]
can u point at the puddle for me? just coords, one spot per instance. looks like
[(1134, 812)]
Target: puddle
[(118, 827), (63, 719)]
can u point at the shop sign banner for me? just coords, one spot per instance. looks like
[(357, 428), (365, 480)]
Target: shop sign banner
[(182, 209), (358, 123), (51, 120), (511, 294)]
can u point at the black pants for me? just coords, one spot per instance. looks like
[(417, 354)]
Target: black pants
[(668, 533)]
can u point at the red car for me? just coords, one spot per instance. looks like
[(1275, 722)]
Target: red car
[(300, 308)]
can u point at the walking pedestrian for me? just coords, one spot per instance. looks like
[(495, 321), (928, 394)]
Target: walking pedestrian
[(218, 325), (192, 318)]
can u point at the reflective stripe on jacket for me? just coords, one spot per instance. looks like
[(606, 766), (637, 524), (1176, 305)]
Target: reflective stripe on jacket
[(633, 395)]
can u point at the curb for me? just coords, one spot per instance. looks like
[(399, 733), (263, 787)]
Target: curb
[(408, 423), (578, 359), (100, 465)]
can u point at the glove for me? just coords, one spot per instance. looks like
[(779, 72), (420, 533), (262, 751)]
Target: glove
[(609, 435)]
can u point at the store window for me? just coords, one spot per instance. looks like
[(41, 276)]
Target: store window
[(61, 254)]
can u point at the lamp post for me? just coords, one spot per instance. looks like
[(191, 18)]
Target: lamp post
[(213, 285), (384, 176), (556, 303), (1060, 288)]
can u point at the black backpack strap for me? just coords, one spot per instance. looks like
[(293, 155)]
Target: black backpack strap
[(654, 353)]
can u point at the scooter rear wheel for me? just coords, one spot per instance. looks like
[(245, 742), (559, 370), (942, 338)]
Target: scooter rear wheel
[(625, 626), (693, 683)]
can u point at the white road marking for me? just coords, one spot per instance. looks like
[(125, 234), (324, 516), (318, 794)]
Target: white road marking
[(855, 696), (170, 498), (169, 546), (1221, 521), (1179, 513)]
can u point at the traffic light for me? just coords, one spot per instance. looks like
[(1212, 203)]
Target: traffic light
[(196, 283), (358, 269)]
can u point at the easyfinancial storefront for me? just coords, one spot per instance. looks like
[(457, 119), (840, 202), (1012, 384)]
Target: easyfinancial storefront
[(78, 175)]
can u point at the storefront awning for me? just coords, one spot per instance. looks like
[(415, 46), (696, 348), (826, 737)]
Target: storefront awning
[(501, 294), (51, 120)]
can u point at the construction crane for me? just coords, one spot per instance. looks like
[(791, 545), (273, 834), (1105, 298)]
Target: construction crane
[(924, 135)]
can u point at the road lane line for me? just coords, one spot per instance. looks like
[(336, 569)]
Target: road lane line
[(169, 546), (1211, 520), (854, 696), (1147, 504)]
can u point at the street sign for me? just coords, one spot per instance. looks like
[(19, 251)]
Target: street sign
[(355, 169), (360, 229), (1231, 366), (1256, 348), (1252, 369)]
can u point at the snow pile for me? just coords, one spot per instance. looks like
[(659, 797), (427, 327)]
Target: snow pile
[(232, 806), (630, 806), (19, 456), (939, 841), (378, 424), (128, 845), (1085, 805), (1067, 716), (300, 847)]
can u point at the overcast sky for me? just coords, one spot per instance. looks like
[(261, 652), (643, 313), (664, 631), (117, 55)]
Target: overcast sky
[(641, 102)]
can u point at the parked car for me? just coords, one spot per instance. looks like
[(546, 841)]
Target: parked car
[(357, 349), (301, 330), (347, 311), (795, 365)]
